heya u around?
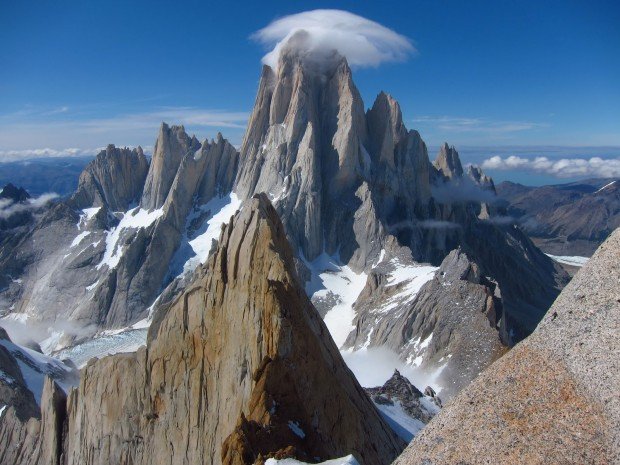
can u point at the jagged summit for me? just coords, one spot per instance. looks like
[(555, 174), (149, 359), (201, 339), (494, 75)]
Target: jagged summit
[(14, 193), (309, 140), (172, 145), (114, 179), (448, 162)]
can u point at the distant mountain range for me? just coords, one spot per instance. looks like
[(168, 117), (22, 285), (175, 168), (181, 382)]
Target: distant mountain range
[(570, 219), (41, 175)]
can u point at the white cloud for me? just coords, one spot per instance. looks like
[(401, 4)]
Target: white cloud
[(9, 208), (562, 168), (319, 33)]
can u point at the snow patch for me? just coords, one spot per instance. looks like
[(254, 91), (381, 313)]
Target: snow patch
[(348, 460), (373, 366), (2, 409), (79, 238), (410, 278), (196, 244), (605, 186), (133, 219), (224, 208), (35, 366), (403, 424), (86, 215), (331, 279)]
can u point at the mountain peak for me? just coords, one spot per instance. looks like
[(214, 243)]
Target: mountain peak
[(448, 162), (226, 374), (16, 194), (300, 50)]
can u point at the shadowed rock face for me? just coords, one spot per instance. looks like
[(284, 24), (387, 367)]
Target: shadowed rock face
[(239, 368), (16, 194), (13, 389), (554, 397)]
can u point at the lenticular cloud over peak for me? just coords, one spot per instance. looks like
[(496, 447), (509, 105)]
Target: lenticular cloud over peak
[(320, 33)]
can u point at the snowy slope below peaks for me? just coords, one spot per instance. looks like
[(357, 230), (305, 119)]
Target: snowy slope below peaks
[(333, 289), (202, 230)]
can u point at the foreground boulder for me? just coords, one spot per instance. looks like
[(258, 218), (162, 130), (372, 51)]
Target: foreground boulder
[(238, 369), (553, 398)]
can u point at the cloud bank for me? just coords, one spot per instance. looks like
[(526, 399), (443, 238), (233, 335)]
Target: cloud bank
[(319, 33), (563, 168), (8, 208)]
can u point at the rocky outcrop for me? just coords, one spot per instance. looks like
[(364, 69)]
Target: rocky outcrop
[(35, 440), (553, 398), (237, 369), (399, 389), (13, 388), (114, 179), (448, 162)]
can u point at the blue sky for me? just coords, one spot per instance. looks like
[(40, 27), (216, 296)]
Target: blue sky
[(76, 74)]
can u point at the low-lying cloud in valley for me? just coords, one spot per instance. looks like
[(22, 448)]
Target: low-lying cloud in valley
[(9, 208), (562, 168), (363, 42)]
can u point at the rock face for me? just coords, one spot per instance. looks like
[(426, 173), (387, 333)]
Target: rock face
[(566, 219), (172, 146), (114, 179), (13, 388), (553, 398), (239, 368)]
